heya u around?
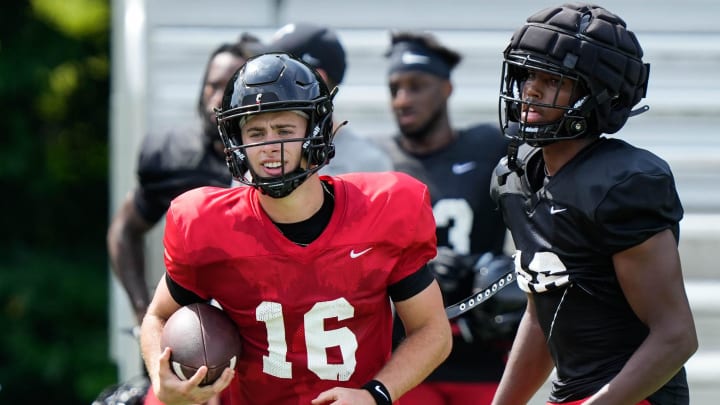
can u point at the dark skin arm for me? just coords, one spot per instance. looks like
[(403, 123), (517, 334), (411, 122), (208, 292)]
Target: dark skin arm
[(125, 243), (651, 278), (529, 363)]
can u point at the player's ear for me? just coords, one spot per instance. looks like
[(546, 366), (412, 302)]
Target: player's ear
[(322, 74), (447, 88)]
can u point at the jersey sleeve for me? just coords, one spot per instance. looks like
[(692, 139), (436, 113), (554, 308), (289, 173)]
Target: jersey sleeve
[(422, 240), (638, 208), (179, 267)]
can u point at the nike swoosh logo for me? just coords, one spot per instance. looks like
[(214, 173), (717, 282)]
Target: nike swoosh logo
[(382, 393), (410, 58), (461, 168), (554, 210), (355, 255)]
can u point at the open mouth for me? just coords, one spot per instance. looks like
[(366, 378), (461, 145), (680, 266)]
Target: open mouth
[(273, 168), (531, 115)]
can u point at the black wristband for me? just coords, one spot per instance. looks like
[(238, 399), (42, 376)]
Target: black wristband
[(378, 392)]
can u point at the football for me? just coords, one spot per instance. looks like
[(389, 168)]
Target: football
[(201, 335)]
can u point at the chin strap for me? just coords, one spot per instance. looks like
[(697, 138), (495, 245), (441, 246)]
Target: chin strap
[(503, 171), (476, 299), (639, 110)]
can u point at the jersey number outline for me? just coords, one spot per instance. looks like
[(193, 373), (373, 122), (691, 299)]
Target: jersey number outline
[(317, 340), (461, 214), (544, 272)]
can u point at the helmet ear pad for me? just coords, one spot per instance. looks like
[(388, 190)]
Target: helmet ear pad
[(318, 152), (234, 156), (236, 163), (319, 148), (575, 126)]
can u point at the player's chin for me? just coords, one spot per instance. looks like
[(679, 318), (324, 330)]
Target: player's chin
[(407, 122)]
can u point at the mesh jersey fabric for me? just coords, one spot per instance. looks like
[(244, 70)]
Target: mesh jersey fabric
[(310, 317), (609, 197), (171, 163)]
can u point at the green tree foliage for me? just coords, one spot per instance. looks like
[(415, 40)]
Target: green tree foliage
[(54, 90), (54, 346), (53, 148)]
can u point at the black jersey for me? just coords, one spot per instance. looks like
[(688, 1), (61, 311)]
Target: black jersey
[(174, 162), (468, 221), (611, 196)]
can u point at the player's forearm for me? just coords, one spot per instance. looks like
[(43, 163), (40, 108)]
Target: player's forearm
[(127, 259), (416, 357), (528, 366), (427, 343), (125, 243), (150, 344), (655, 362)]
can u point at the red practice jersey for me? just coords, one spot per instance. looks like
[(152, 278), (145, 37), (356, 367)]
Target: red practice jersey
[(313, 317)]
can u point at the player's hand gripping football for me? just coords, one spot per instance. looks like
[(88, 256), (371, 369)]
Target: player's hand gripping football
[(171, 390)]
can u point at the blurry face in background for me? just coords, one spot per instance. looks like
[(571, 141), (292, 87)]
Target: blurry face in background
[(418, 99), (221, 68)]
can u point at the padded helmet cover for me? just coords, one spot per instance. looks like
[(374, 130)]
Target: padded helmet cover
[(589, 42)]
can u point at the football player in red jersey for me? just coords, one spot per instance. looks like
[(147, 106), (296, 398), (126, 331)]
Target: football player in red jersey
[(595, 220), (305, 264)]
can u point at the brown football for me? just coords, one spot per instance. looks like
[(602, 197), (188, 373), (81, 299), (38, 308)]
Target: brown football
[(201, 335)]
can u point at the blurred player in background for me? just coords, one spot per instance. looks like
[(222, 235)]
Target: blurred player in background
[(456, 164), (595, 220), (169, 164), (320, 47), (306, 265)]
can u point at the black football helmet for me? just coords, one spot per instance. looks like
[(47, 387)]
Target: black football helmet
[(499, 317), (273, 82), (583, 43)]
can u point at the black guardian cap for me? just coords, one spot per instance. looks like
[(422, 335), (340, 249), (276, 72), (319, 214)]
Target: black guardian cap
[(581, 42)]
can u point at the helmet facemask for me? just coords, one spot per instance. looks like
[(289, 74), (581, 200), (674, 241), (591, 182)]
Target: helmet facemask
[(514, 106), (285, 84), (311, 161)]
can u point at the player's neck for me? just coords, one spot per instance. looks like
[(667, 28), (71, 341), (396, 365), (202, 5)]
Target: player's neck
[(433, 140), (300, 205), (557, 154)]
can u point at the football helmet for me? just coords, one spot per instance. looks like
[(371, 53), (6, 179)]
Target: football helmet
[(499, 317), (453, 272), (583, 43), (273, 82)]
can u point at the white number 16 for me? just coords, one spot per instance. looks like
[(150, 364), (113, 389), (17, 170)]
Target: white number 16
[(317, 339)]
